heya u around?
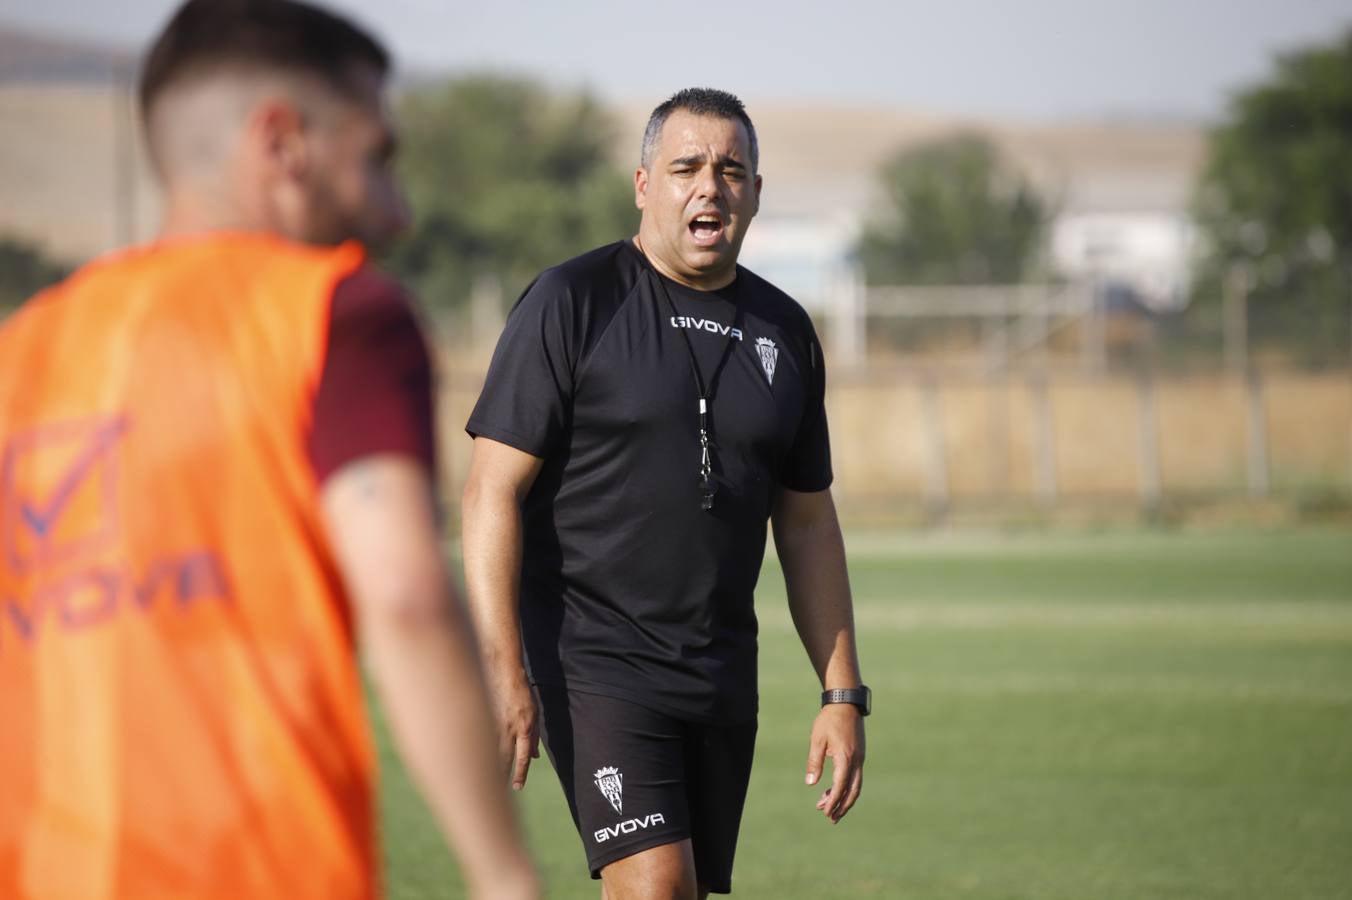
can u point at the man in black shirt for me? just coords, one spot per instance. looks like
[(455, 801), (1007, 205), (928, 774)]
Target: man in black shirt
[(649, 407)]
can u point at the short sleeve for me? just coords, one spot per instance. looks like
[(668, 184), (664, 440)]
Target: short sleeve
[(375, 392), (527, 396), (807, 468)]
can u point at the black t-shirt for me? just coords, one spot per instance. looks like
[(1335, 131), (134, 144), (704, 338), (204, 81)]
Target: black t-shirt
[(630, 589)]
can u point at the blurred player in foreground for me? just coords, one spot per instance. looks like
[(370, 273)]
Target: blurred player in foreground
[(216, 474)]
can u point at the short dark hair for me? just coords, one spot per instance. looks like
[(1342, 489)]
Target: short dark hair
[(278, 35), (700, 102)]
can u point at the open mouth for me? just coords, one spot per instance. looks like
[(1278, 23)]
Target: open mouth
[(706, 228)]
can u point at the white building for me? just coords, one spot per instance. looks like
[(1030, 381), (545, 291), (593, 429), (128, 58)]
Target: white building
[(1147, 251)]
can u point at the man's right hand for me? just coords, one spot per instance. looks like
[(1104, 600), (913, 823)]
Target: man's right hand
[(518, 723)]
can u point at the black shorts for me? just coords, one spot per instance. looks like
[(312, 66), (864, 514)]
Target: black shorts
[(636, 779)]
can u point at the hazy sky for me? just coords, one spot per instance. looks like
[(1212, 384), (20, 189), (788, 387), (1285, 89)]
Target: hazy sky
[(1006, 58)]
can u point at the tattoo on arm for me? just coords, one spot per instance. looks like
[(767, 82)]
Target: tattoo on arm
[(366, 480)]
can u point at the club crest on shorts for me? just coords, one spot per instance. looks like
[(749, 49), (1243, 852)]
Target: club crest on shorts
[(769, 355), (610, 782)]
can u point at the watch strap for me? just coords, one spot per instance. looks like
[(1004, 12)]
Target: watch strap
[(858, 697)]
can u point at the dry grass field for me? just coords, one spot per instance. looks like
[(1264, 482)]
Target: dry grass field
[(990, 434), (71, 175)]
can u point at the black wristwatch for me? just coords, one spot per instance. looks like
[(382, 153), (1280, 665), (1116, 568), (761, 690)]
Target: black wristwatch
[(861, 697)]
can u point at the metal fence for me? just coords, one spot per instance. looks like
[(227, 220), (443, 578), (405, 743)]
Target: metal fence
[(1095, 326)]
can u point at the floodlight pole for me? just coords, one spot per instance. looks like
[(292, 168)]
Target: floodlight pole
[(1235, 312), (124, 157)]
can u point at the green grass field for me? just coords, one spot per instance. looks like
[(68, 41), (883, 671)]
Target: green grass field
[(1112, 717)]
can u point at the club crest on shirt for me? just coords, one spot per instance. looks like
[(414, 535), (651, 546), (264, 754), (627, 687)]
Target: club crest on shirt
[(610, 782), (769, 355)]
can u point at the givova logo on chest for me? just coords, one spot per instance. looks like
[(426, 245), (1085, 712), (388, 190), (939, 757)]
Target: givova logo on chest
[(708, 325)]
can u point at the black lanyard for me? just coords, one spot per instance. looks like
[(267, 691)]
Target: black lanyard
[(707, 489)]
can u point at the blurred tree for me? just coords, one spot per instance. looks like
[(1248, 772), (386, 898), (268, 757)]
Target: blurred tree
[(957, 215), (505, 179), (24, 270), (1275, 203)]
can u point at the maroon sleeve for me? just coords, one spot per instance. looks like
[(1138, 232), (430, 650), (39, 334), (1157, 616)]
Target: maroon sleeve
[(375, 392)]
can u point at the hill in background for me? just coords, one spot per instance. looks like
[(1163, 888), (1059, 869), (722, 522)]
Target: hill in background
[(30, 58), (74, 180)]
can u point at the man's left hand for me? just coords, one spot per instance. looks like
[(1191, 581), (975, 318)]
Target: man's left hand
[(838, 732)]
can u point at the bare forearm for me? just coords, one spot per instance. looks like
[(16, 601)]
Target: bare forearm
[(491, 545), (499, 480), (379, 513), (432, 694), (812, 555)]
